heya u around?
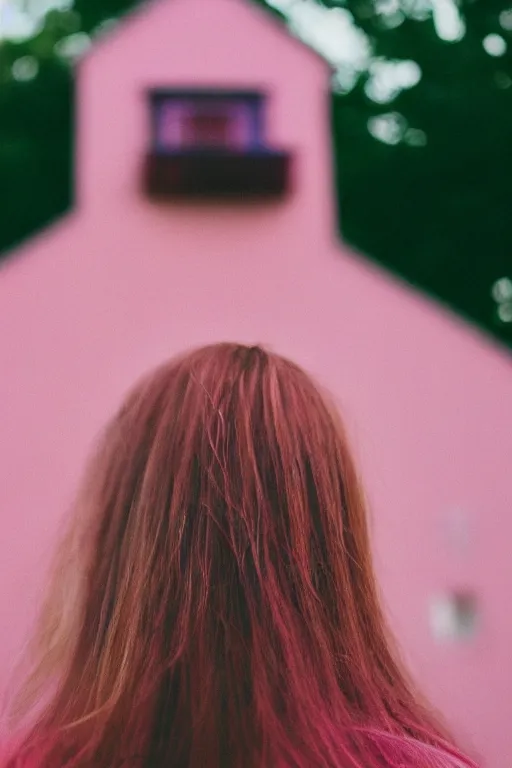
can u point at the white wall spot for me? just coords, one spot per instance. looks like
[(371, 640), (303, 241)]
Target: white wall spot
[(454, 616)]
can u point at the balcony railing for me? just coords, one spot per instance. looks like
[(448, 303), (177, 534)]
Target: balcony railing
[(203, 173)]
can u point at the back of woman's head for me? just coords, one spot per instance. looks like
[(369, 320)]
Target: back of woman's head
[(214, 605)]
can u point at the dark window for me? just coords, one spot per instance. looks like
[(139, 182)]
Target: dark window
[(208, 128), (211, 144), (209, 119)]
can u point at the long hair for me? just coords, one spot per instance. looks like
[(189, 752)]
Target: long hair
[(214, 603)]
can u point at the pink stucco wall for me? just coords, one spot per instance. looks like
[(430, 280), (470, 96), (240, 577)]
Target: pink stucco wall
[(122, 283)]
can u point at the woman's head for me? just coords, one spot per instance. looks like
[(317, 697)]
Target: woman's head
[(214, 604)]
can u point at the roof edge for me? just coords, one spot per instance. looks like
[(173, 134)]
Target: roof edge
[(131, 15)]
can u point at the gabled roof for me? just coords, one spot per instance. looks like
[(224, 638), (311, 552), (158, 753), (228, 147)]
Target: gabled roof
[(138, 7)]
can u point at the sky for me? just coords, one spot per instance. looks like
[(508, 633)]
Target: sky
[(20, 19)]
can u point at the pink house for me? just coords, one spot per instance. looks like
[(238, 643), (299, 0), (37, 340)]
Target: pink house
[(205, 212)]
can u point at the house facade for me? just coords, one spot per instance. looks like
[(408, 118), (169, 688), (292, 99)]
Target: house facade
[(205, 212)]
